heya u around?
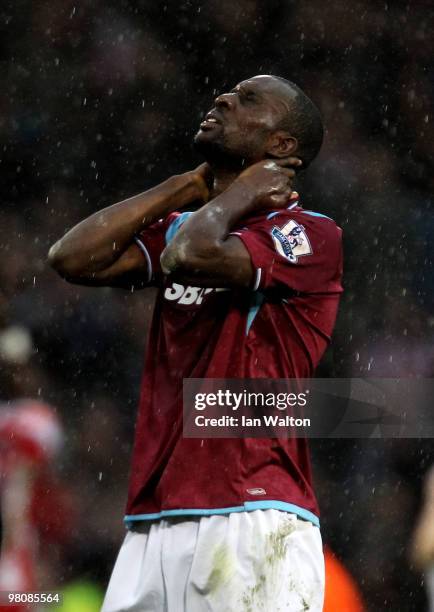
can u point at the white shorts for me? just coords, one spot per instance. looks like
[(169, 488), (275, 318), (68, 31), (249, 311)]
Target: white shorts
[(265, 560)]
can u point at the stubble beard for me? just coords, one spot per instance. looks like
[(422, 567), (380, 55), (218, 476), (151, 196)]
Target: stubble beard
[(217, 153)]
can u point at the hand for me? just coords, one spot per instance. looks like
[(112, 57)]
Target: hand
[(271, 181), (202, 178)]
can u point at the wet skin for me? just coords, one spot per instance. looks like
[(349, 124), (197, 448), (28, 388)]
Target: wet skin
[(242, 121)]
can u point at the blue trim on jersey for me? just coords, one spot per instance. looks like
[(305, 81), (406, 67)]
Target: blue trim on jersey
[(315, 214), (277, 212), (257, 301), (249, 506), (273, 214), (175, 225)]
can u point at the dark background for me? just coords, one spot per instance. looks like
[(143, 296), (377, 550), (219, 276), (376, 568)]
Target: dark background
[(100, 100)]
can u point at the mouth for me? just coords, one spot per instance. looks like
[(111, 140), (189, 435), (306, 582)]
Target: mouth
[(211, 121)]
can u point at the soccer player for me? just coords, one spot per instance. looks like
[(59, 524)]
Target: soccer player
[(30, 438), (249, 286)]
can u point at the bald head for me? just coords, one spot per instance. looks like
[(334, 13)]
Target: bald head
[(262, 117), (302, 118)]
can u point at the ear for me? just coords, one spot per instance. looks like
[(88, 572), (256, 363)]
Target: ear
[(281, 144)]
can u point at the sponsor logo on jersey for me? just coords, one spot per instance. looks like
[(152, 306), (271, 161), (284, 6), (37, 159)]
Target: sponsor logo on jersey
[(291, 241), (189, 295)]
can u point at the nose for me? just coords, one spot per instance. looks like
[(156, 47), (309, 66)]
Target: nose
[(224, 101)]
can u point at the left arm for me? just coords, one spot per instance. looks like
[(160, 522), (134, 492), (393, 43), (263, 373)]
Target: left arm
[(202, 250)]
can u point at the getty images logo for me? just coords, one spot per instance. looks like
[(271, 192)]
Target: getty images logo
[(189, 295)]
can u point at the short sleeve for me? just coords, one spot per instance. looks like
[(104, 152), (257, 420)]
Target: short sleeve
[(153, 240), (300, 251)]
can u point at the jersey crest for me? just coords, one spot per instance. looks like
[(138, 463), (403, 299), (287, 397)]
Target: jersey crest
[(291, 241)]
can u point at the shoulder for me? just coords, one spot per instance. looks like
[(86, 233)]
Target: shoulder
[(310, 217), (293, 220), (296, 232), (318, 223)]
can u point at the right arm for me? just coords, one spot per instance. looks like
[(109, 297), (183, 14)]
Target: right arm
[(101, 249)]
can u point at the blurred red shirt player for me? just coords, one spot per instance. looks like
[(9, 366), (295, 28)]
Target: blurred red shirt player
[(30, 438)]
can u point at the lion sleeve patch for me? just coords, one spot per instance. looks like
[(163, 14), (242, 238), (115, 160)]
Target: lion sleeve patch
[(291, 241)]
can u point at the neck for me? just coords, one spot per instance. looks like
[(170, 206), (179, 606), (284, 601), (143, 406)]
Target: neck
[(223, 177)]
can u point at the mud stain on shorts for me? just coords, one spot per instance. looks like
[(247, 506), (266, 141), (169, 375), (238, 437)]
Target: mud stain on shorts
[(223, 567), (257, 597)]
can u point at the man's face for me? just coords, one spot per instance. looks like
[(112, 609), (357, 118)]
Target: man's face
[(239, 125)]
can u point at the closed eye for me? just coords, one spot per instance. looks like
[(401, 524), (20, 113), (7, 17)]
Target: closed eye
[(243, 92), (248, 95)]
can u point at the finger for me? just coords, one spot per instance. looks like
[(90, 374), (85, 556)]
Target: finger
[(289, 172), (278, 201), (293, 162), (281, 200), (205, 172)]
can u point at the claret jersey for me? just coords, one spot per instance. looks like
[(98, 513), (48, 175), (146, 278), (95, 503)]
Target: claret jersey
[(279, 328)]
